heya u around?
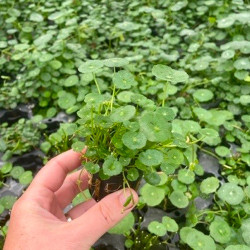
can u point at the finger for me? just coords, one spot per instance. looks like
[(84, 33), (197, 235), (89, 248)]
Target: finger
[(103, 216), (80, 209), (67, 192), (52, 175)]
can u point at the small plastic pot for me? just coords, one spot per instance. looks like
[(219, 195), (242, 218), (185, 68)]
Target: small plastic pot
[(100, 188)]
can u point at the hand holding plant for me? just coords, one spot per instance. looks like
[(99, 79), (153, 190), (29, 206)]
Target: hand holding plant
[(37, 217)]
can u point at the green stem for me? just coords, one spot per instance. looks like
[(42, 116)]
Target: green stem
[(96, 83)]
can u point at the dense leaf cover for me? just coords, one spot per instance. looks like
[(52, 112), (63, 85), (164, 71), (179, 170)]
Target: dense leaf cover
[(151, 85)]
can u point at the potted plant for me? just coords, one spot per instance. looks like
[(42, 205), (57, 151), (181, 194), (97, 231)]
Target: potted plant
[(127, 136)]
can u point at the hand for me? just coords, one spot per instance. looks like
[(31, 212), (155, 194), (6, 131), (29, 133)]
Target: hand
[(37, 219)]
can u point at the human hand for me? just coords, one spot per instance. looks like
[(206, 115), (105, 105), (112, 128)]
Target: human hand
[(37, 219)]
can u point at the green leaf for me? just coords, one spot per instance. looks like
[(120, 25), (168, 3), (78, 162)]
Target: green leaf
[(1, 209), (17, 171), (170, 224), (245, 100), (152, 178), (168, 113), (3, 145), (8, 201), (124, 226), (197, 240), (71, 81), (228, 54), (124, 80), (152, 195), (45, 146), (220, 231), (242, 63), (231, 193), (155, 127), (66, 100), (222, 151), (151, 157), (115, 62), (174, 157), (208, 132), (157, 228), (36, 17), (132, 174), (134, 140), (179, 199), (123, 114), (209, 185), (43, 40), (6, 168), (56, 15), (203, 95), (26, 178), (125, 96), (245, 228), (186, 176), (168, 74), (78, 146), (91, 66), (91, 167), (112, 166), (237, 247)]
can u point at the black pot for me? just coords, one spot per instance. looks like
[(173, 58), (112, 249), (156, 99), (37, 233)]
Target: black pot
[(100, 188)]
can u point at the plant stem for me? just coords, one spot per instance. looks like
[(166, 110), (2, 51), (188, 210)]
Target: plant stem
[(96, 83)]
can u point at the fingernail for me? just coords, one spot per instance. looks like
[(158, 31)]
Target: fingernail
[(127, 198)]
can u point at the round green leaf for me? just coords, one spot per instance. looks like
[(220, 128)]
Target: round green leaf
[(6, 168), (152, 195), (78, 146), (222, 151), (123, 114), (26, 178), (151, 157), (228, 54), (168, 74), (170, 224), (203, 95), (115, 62), (124, 226), (17, 171), (231, 193), (36, 17), (174, 157), (155, 127), (242, 63), (8, 201), (197, 240), (152, 178), (91, 66), (220, 231), (124, 80), (237, 247), (112, 166), (132, 174), (71, 81), (157, 228), (91, 167), (45, 146), (179, 199), (134, 140), (209, 185), (186, 176), (1, 209), (125, 96), (245, 99), (66, 100)]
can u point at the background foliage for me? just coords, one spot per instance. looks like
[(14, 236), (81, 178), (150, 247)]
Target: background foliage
[(191, 57)]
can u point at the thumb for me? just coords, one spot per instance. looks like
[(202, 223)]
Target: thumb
[(90, 226)]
